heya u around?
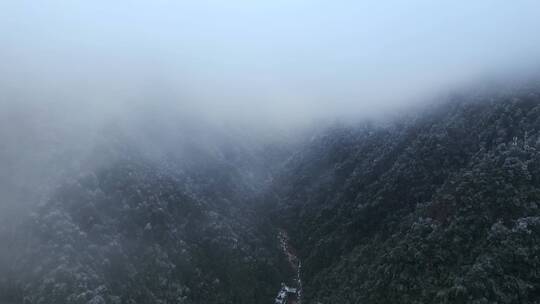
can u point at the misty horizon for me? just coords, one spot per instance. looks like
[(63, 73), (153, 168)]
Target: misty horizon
[(279, 63)]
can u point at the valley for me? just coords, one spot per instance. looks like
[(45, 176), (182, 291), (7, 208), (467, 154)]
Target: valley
[(438, 208), (291, 290)]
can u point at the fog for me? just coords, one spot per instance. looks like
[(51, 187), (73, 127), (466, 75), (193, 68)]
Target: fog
[(71, 69), (275, 62), (220, 93)]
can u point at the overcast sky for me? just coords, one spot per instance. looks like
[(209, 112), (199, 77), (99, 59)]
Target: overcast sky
[(281, 61)]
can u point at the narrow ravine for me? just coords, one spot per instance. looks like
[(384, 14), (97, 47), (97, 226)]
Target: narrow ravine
[(290, 294)]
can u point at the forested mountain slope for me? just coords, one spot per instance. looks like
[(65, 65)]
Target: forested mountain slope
[(441, 208), (437, 207), (179, 228)]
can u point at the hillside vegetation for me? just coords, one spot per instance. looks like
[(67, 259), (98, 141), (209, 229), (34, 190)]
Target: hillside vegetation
[(441, 208), (438, 207)]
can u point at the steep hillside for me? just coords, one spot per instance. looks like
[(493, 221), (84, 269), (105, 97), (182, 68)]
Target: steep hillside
[(441, 208), (438, 207), (135, 229)]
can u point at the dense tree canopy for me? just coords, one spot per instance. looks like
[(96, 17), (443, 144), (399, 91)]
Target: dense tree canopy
[(441, 208), (437, 207), (144, 231)]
